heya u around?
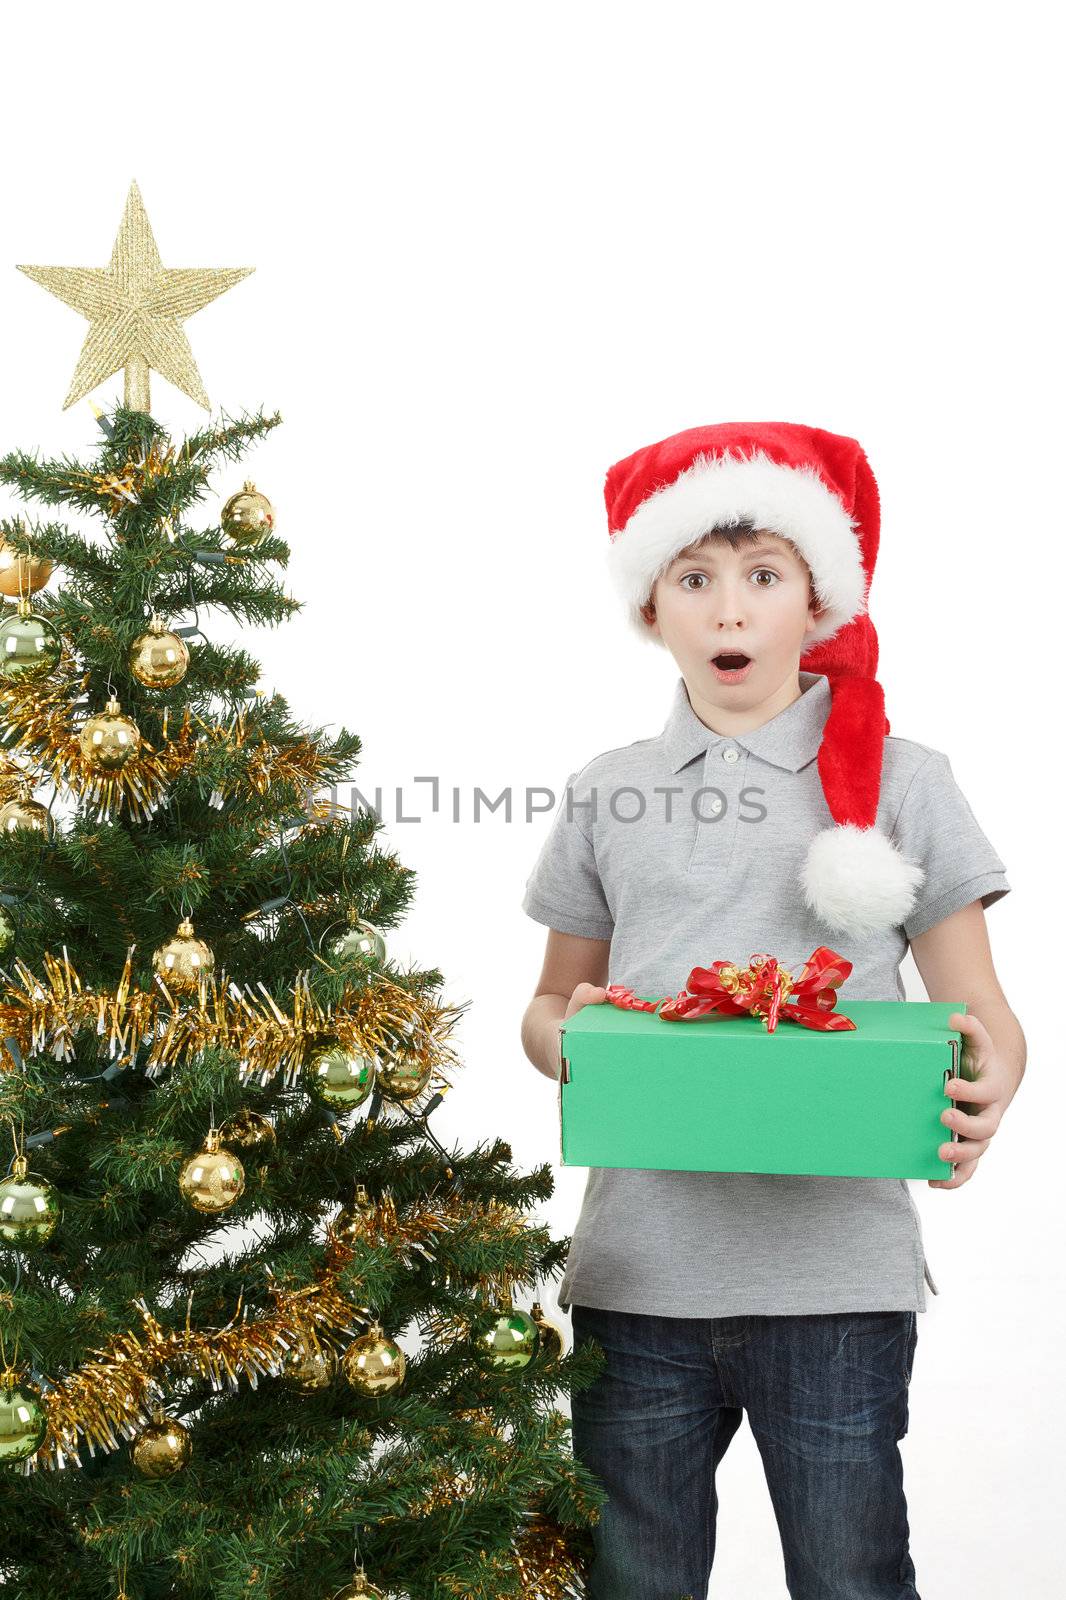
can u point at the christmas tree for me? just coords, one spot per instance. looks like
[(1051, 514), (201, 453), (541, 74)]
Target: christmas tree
[(260, 1331)]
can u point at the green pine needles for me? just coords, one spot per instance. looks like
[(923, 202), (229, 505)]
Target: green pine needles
[(282, 1479)]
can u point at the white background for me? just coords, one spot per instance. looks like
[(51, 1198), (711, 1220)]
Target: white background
[(498, 249)]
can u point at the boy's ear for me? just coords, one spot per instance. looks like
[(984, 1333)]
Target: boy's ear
[(647, 611)]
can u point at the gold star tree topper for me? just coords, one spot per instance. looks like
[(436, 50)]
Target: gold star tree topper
[(135, 308)]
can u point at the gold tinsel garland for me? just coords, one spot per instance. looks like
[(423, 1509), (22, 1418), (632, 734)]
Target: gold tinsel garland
[(542, 1551), (546, 1561), (45, 1015), (114, 1394), (36, 716), (117, 489), (414, 1235)]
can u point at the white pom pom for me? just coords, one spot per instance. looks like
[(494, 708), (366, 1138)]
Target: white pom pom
[(855, 880)]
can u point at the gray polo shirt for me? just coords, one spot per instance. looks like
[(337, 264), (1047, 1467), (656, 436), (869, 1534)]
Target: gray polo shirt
[(685, 849)]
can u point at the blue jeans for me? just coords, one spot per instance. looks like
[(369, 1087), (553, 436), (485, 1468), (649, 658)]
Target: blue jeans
[(826, 1399)]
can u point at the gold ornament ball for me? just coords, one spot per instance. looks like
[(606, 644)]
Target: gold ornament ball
[(28, 643), (248, 517), (161, 1448), (360, 938), (249, 1130), (29, 1206), (550, 1345), (213, 1178), (159, 658), (352, 1221), (21, 574), (28, 814), (311, 1366), (402, 1077), (360, 1588), (109, 739), (509, 1338), (341, 1079), (373, 1363), (7, 931), (183, 960), (23, 1419)]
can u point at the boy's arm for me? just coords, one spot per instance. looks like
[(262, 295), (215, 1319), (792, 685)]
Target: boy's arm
[(955, 962), (574, 974)]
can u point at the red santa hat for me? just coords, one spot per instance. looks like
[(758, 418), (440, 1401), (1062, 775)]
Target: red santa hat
[(817, 490)]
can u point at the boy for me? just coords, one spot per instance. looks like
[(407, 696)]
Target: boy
[(771, 814)]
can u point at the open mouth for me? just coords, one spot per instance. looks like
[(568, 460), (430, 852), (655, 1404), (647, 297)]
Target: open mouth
[(731, 666)]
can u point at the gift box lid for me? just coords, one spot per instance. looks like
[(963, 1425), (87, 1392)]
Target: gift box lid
[(722, 1094)]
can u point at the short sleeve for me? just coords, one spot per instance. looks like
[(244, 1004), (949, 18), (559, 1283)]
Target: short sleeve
[(564, 890), (937, 830)]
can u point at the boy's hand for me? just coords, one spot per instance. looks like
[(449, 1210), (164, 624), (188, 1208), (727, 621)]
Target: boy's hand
[(986, 1091), (586, 994)]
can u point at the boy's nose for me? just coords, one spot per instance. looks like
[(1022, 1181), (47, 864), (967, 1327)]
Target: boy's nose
[(730, 613)]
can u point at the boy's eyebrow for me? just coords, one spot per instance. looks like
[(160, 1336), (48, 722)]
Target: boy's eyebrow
[(753, 550)]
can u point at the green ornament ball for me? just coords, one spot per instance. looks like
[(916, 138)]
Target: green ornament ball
[(29, 1207), (7, 931), (28, 643), (338, 1077), (508, 1338), (23, 1419), (358, 939)]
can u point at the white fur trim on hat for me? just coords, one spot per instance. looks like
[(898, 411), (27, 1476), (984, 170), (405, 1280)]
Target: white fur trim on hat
[(856, 880), (793, 502)]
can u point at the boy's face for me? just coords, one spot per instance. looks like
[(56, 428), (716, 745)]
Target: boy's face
[(757, 600)]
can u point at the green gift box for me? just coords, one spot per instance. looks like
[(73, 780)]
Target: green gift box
[(723, 1094)]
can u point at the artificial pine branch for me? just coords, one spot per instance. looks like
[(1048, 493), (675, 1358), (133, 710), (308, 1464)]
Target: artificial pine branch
[(447, 1476)]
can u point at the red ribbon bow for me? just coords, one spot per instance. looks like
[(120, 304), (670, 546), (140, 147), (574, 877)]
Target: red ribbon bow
[(762, 989)]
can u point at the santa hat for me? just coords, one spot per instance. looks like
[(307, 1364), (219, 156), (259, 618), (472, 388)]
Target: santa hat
[(815, 489)]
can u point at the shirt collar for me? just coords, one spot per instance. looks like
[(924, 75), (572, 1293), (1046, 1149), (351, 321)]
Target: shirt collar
[(789, 740)]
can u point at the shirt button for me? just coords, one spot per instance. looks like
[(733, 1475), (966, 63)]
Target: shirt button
[(716, 804), (730, 754)]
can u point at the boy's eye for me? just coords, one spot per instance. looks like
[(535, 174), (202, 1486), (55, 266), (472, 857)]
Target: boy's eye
[(701, 578)]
